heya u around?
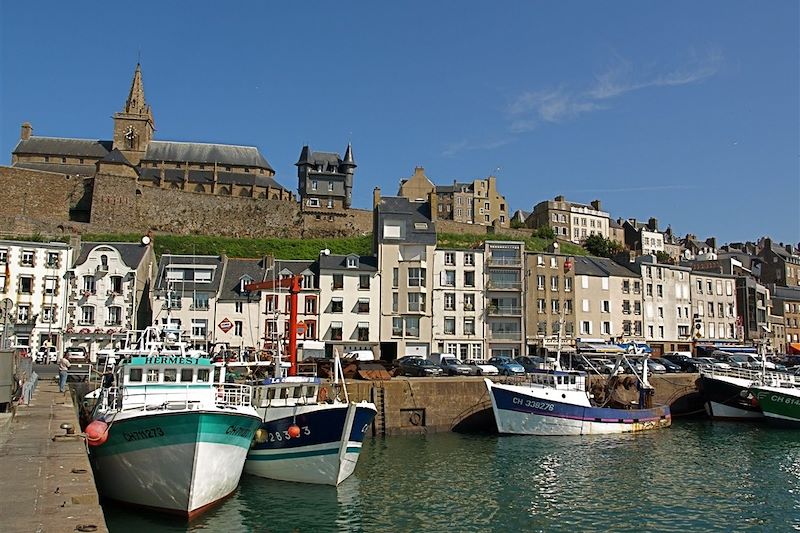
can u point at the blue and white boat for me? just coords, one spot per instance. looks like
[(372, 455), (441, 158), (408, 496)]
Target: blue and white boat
[(304, 436), (169, 436), (557, 402)]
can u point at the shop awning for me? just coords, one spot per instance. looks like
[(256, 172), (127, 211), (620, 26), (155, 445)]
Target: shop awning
[(793, 348)]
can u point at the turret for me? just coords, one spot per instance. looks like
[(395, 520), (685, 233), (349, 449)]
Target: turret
[(303, 165), (348, 167)]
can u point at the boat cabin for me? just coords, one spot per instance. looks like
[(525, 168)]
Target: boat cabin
[(568, 380), (287, 391)]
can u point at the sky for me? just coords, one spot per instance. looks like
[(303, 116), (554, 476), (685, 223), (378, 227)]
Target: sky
[(685, 111)]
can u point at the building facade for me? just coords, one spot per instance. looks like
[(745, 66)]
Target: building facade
[(549, 303), (570, 221), (236, 320), (34, 289), (714, 312), (457, 303), (607, 305), (325, 180), (504, 272)]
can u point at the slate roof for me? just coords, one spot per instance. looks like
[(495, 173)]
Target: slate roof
[(222, 154), (456, 187), (63, 146), (366, 263), (786, 293), (190, 260), (601, 266), (131, 252), (235, 270), (175, 175), (293, 266), (412, 213), (115, 156), (73, 170)]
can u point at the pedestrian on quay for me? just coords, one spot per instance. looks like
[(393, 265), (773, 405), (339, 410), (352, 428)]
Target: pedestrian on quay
[(63, 366)]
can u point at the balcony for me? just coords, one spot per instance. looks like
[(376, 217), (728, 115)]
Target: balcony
[(504, 335), (505, 262), (500, 285), (504, 310)]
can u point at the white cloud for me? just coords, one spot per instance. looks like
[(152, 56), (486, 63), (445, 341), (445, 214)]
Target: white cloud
[(455, 148)]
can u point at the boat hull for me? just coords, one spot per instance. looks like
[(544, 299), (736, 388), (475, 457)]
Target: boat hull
[(521, 411), (728, 398), (781, 407), (180, 463), (326, 451)]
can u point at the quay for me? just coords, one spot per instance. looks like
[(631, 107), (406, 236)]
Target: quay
[(45, 476)]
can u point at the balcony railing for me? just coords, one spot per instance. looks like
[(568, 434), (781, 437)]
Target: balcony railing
[(496, 285), (505, 335), (504, 310), (505, 262)]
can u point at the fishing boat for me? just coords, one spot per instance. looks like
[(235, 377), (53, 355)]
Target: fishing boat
[(166, 433), (780, 404), (305, 436), (726, 393), (557, 402)]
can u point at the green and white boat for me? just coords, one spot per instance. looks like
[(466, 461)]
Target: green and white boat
[(780, 405), (170, 435)]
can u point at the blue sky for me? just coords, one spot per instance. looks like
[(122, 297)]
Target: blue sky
[(685, 111)]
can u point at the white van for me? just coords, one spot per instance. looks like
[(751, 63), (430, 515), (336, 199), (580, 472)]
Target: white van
[(360, 355)]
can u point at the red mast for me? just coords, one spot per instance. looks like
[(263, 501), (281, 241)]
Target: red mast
[(293, 284)]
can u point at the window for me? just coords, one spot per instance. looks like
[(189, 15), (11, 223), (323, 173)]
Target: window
[(683, 331), (87, 315), (540, 282), (25, 284), (26, 259), (23, 312), (584, 282), (661, 332), (116, 284), (637, 308), (626, 327), (567, 284), (469, 259), (567, 306), (554, 283), (199, 327), (310, 305), (649, 332), (637, 287), (586, 327), (114, 316), (395, 277), (416, 302), (709, 288), (449, 325), (200, 300), (604, 283), (330, 186), (238, 307), (52, 259), (416, 277), (395, 298), (51, 285), (469, 326), (553, 262), (397, 327), (606, 306), (585, 305), (450, 258), (152, 375), (649, 287), (363, 281), (338, 281), (336, 331), (312, 202), (660, 291), (88, 284), (202, 276), (362, 331), (3, 256), (555, 306), (626, 286), (469, 302), (363, 305), (711, 309), (412, 326), (449, 278), (337, 305), (352, 262), (541, 305), (449, 301), (48, 314), (626, 307), (238, 327), (469, 278), (607, 328), (660, 312)]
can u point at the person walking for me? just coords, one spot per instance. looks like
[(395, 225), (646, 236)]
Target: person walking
[(63, 366)]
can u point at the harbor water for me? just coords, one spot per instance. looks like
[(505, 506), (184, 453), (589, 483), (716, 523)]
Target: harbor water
[(695, 476)]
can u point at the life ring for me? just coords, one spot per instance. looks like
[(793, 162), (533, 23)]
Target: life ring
[(322, 395), (415, 419)]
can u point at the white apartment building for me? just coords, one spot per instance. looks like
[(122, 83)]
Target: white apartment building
[(33, 292), (714, 314), (276, 303), (187, 287), (109, 285), (349, 297), (237, 313), (504, 326), (458, 304), (605, 305)]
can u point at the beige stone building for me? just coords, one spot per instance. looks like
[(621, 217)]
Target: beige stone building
[(550, 302), (714, 313), (569, 220), (477, 202), (608, 303)]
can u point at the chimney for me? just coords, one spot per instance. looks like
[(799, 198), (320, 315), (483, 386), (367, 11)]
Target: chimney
[(75, 245), (376, 197), (433, 200), (559, 198), (26, 131), (652, 224), (596, 205), (790, 249)]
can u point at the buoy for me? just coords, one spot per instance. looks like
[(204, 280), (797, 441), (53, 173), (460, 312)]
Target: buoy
[(261, 436), (96, 433), (294, 431)]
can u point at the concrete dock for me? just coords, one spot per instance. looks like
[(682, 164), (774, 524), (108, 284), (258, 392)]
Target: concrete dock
[(46, 481)]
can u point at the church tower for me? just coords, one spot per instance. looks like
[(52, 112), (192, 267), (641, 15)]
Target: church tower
[(133, 126)]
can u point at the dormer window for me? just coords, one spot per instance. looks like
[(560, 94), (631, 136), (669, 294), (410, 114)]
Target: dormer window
[(244, 281), (352, 262)]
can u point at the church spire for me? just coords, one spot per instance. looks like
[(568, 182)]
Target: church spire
[(135, 103)]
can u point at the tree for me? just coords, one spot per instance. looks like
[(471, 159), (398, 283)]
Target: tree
[(664, 257), (602, 247), (545, 232)]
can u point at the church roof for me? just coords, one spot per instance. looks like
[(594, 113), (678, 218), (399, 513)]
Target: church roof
[(73, 170), (176, 175), (222, 154), (63, 146), (115, 156)]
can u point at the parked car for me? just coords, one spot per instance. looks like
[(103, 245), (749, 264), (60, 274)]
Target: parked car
[(603, 365), (76, 354), (531, 363), (453, 367), (507, 366), (418, 366), (652, 366), (672, 368), (46, 355), (715, 364), (481, 368), (684, 360)]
